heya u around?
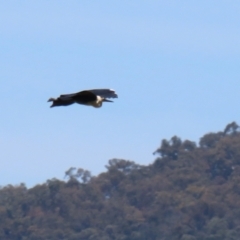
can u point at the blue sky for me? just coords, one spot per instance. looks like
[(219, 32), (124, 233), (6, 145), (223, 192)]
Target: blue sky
[(174, 64)]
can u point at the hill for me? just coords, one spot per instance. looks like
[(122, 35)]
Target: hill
[(190, 192)]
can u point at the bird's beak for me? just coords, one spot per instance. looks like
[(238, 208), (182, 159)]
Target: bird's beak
[(106, 100)]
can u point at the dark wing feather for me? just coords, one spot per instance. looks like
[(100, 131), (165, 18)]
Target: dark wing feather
[(105, 93), (84, 97), (83, 94), (68, 95), (60, 102)]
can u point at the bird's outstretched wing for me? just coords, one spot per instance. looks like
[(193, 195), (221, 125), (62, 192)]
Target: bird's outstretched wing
[(65, 96), (105, 93), (60, 102)]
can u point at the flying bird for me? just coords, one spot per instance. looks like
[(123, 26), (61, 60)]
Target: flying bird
[(94, 98)]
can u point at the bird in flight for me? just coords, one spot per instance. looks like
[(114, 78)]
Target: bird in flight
[(94, 98)]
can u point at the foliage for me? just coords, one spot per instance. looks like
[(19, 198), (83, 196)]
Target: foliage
[(190, 192)]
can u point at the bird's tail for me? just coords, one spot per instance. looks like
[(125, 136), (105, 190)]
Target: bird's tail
[(51, 100)]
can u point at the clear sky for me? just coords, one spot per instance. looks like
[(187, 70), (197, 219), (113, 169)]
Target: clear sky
[(174, 64)]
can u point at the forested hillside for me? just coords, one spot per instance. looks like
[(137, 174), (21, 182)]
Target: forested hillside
[(190, 192)]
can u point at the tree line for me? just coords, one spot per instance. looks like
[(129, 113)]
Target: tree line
[(190, 192)]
